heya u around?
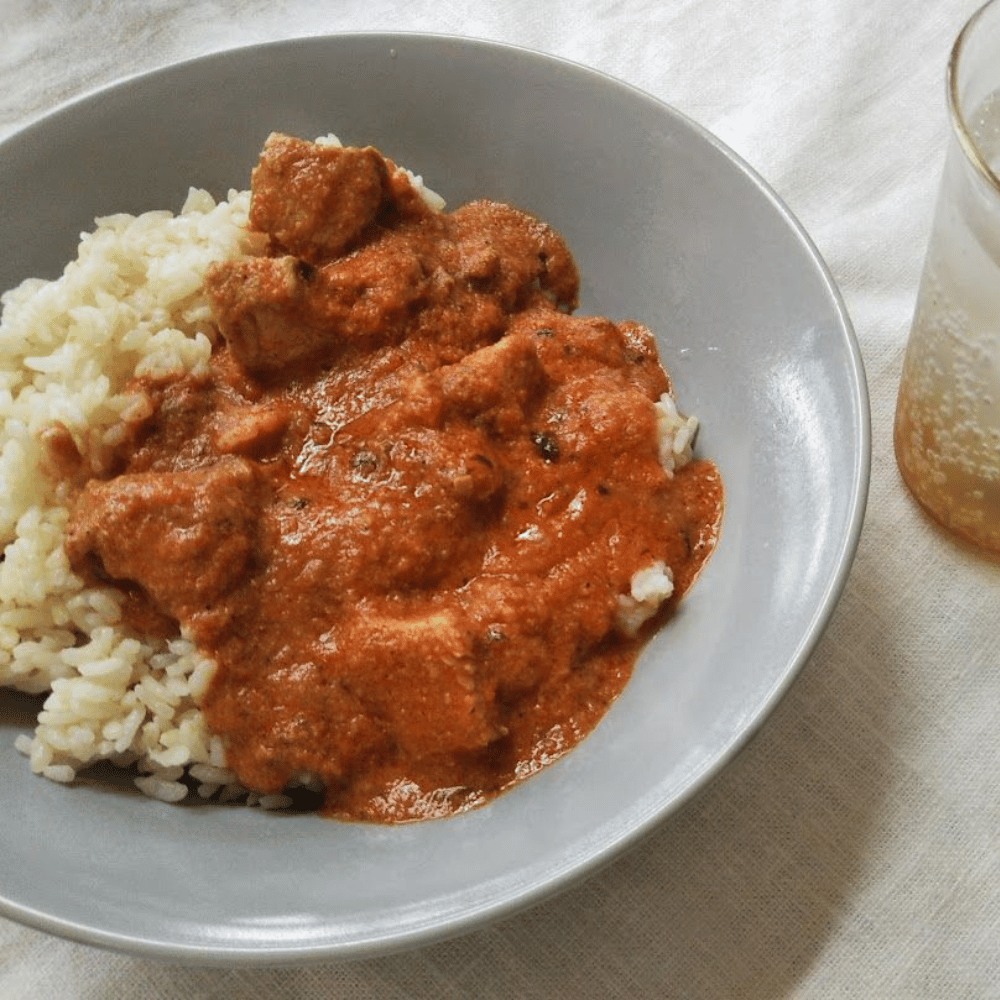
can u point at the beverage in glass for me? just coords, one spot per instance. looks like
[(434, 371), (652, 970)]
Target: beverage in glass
[(947, 431)]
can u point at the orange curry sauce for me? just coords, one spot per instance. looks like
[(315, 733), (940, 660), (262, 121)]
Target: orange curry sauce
[(400, 508)]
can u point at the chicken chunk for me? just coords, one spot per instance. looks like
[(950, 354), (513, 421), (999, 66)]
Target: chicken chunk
[(496, 384), (313, 200), (274, 312), (420, 674), (192, 533)]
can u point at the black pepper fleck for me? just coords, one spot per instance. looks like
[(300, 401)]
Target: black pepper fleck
[(545, 445)]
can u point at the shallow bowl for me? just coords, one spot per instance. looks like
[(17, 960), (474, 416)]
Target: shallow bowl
[(669, 227)]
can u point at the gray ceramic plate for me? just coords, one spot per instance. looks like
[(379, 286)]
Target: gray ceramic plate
[(669, 227)]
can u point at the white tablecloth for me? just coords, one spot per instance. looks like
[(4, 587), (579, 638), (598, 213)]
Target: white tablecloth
[(853, 849)]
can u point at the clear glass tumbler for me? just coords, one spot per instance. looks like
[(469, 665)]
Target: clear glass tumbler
[(947, 431)]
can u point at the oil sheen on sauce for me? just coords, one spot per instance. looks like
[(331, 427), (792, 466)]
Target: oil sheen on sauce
[(401, 506)]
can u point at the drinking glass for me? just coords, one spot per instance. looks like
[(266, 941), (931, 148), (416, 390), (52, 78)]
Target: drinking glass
[(947, 430)]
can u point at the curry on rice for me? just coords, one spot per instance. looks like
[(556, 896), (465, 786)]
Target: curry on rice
[(416, 511)]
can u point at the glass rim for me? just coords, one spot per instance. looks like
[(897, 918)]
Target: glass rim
[(964, 134)]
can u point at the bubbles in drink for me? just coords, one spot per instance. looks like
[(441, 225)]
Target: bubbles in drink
[(947, 432), (985, 126)]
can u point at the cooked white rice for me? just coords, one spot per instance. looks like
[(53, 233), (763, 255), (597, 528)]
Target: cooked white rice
[(131, 303)]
